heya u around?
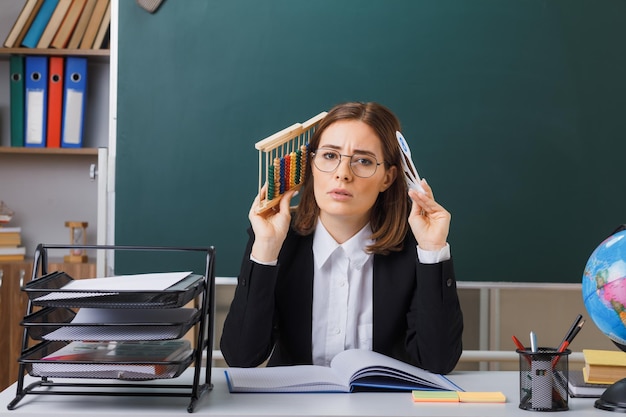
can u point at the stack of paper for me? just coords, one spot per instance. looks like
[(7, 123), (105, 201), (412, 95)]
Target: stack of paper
[(125, 324), (90, 287)]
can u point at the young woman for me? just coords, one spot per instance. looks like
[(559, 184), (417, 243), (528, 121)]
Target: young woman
[(362, 263)]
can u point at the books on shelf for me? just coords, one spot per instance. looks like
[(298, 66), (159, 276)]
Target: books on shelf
[(604, 366), (9, 253), (22, 23), (577, 387), (54, 23), (71, 24), (63, 34), (39, 24), (10, 236), (136, 357), (103, 31), (81, 25), (351, 370), (10, 241), (94, 24)]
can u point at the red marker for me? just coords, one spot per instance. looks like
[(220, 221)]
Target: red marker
[(518, 343), (562, 348), (520, 347)]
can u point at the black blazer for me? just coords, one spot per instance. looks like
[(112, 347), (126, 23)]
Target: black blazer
[(416, 313)]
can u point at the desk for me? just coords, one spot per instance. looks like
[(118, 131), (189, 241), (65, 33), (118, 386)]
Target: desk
[(219, 402)]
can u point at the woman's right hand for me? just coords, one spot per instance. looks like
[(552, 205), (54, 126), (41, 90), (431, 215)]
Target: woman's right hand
[(270, 228)]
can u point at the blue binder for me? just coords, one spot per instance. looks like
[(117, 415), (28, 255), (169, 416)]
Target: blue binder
[(39, 23), (36, 101), (74, 96)]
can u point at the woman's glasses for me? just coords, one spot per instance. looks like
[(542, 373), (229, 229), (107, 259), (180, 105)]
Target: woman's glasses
[(362, 165)]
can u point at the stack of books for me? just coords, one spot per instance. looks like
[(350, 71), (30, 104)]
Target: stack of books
[(601, 369), (604, 366), (62, 24), (10, 241)]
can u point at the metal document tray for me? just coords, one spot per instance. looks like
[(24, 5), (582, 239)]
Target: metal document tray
[(55, 323), (175, 296), (134, 369)]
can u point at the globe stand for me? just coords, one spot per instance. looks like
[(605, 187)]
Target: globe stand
[(614, 398)]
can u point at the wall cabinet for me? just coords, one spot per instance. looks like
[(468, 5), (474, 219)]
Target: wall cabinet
[(12, 274), (13, 302)]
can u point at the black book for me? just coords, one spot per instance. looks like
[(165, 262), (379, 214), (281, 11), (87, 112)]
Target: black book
[(577, 386)]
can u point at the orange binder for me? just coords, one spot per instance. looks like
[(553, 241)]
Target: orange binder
[(55, 101)]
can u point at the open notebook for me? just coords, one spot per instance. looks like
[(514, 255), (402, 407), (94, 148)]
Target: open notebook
[(350, 370)]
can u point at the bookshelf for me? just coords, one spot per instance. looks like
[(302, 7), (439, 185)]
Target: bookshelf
[(48, 151), (48, 186), (102, 54)]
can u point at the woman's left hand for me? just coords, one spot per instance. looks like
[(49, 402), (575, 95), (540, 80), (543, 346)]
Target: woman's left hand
[(429, 221)]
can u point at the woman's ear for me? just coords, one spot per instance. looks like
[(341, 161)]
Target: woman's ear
[(390, 177)]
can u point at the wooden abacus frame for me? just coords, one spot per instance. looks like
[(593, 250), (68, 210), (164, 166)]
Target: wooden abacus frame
[(282, 161)]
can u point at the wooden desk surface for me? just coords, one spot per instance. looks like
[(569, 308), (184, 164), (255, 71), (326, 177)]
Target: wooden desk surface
[(219, 402)]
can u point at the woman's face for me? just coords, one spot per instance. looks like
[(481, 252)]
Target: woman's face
[(341, 194)]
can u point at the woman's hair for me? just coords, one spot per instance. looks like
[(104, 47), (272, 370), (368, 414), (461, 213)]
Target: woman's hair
[(389, 214)]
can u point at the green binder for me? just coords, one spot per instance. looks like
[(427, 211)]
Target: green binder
[(17, 100)]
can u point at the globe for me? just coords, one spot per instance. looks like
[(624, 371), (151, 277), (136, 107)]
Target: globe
[(604, 295), (604, 288)]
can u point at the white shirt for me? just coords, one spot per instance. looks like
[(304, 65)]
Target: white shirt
[(343, 292)]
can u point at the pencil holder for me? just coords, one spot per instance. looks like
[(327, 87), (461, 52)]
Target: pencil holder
[(543, 379)]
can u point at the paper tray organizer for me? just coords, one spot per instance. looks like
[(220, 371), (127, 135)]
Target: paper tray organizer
[(46, 317), (174, 296), (46, 323), (135, 370)]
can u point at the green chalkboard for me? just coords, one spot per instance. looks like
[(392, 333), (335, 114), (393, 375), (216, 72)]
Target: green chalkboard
[(515, 110)]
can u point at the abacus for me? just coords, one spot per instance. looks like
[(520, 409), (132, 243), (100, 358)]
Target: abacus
[(282, 161)]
